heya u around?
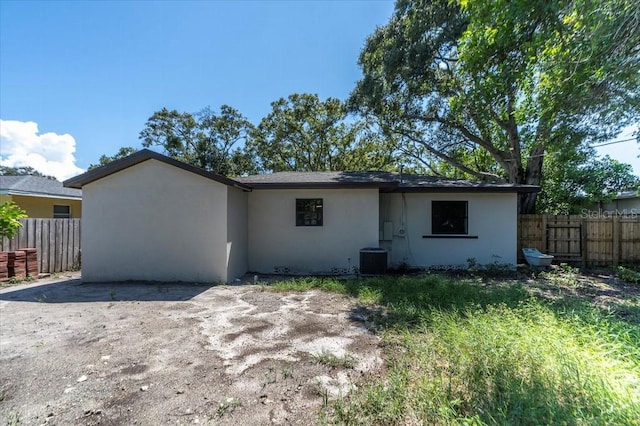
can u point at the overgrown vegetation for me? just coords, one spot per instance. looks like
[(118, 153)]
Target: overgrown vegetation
[(10, 215), (628, 274), (472, 351)]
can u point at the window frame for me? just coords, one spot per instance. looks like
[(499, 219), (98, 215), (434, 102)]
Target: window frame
[(58, 215), (445, 210), (306, 208)]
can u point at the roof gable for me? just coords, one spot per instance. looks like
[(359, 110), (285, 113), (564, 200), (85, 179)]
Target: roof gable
[(139, 157)]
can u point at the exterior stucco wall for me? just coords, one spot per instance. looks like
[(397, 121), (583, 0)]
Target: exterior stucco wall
[(491, 217), (237, 242), (621, 206), (350, 222), (154, 221), (42, 207)]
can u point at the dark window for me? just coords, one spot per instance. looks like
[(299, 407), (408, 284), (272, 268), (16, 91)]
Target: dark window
[(61, 212), (449, 217), (309, 212)]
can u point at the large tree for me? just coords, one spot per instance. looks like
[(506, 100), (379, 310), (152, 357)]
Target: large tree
[(573, 182), (210, 140), (304, 133), (22, 171), (104, 159), (508, 81)]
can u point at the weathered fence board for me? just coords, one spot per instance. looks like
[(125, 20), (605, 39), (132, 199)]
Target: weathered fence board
[(57, 241), (588, 240)]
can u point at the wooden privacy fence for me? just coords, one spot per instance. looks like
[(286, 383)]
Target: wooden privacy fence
[(590, 240), (57, 241)]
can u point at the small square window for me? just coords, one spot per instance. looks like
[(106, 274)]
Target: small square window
[(449, 217), (61, 212), (309, 212)]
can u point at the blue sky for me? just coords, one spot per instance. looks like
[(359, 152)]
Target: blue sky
[(93, 72), (98, 70)]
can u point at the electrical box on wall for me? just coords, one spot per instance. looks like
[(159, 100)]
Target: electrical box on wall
[(387, 231)]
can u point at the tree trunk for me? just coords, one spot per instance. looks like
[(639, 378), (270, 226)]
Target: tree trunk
[(527, 203), (533, 176)]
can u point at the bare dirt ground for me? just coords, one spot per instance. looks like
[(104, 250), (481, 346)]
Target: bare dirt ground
[(166, 354), (156, 354)]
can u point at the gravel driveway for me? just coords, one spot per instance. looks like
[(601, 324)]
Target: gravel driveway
[(154, 354)]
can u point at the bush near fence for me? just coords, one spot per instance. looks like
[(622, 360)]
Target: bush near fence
[(583, 239), (57, 242)]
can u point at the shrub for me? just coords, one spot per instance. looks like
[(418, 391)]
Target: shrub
[(10, 213), (628, 274)]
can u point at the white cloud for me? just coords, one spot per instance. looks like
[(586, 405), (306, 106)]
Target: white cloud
[(48, 153)]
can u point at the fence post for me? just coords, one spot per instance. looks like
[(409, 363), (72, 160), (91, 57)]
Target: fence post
[(616, 240), (583, 241), (545, 235)]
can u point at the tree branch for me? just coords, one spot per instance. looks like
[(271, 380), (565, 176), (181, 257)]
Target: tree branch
[(480, 175)]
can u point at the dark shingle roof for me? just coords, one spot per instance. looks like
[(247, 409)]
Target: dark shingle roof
[(384, 180), (36, 186), (319, 179)]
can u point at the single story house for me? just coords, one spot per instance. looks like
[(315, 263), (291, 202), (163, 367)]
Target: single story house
[(41, 197), (625, 203), (150, 217)]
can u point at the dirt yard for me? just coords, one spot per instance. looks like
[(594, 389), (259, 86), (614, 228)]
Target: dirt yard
[(152, 354)]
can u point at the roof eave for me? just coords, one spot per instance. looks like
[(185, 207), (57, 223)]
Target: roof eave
[(44, 195), (484, 189)]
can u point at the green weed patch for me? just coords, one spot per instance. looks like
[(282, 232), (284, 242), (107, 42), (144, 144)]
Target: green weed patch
[(460, 351)]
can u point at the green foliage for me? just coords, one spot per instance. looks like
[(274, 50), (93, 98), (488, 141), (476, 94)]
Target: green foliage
[(461, 352), (628, 274), (571, 184), (310, 283), (13, 419), (125, 151), (491, 88), (10, 213), (502, 364), (206, 139), (303, 133), (333, 360), (228, 406), (22, 171)]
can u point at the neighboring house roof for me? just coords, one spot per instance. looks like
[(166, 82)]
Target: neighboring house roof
[(627, 194), (385, 181), (139, 157), (37, 186)]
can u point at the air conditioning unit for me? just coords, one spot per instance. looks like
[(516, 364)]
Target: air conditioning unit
[(373, 261)]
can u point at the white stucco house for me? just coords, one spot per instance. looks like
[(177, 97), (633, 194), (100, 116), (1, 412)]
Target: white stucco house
[(150, 217)]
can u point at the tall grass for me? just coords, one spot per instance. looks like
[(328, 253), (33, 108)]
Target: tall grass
[(460, 352)]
